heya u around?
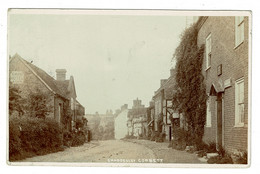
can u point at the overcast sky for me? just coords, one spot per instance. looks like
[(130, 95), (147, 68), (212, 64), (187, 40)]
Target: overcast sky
[(113, 58)]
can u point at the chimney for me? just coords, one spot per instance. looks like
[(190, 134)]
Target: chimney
[(151, 103), (61, 74), (163, 81), (173, 72), (125, 106)]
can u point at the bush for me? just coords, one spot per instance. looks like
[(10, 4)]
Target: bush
[(220, 160), (79, 138), (67, 138), (14, 138), (241, 158), (160, 137), (180, 138), (33, 136), (211, 147)]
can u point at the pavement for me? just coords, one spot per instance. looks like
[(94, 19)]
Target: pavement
[(169, 155)]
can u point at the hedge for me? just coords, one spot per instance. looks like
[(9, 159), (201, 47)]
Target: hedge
[(30, 136)]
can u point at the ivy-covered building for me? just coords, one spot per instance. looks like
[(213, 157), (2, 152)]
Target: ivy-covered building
[(225, 71), (60, 92)]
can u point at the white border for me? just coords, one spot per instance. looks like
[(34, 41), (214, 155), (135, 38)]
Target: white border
[(136, 4)]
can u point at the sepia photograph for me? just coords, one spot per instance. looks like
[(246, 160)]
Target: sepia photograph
[(149, 88)]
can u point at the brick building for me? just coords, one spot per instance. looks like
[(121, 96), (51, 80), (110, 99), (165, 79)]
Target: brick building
[(225, 69), (60, 91)]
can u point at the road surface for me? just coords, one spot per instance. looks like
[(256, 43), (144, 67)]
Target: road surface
[(119, 151)]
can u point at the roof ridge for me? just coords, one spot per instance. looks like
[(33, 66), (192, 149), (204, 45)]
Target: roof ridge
[(44, 76)]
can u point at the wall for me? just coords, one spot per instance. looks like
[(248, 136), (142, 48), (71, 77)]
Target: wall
[(121, 124), (234, 65), (30, 82)]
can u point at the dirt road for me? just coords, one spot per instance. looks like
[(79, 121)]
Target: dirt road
[(100, 151)]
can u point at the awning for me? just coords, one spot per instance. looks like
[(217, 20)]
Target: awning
[(216, 88)]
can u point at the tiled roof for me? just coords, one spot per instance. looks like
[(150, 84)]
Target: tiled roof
[(168, 87), (59, 87)]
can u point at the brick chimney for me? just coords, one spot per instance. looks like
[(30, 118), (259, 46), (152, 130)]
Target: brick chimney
[(173, 72), (163, 81), (61, 74)]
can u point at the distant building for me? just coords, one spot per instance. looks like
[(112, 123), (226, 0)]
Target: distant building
[(62, 92), (101, 125), (225, 70), (121, 123), (137, 119)]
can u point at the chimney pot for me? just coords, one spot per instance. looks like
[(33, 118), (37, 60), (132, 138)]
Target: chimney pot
[(173, 72), (61, 74)]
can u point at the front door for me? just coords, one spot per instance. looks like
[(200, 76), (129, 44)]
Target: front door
[(219, 119)]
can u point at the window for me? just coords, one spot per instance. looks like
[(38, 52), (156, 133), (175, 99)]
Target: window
[(72, 103), (59, 112), (208, 51), (239, 30), (239, 102), (208, 118)]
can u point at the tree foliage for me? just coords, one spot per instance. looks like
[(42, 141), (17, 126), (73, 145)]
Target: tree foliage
[(37, 104), (190, 96), (16, 103)]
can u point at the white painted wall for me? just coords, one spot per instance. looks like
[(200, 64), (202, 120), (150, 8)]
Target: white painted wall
[(121, 124)]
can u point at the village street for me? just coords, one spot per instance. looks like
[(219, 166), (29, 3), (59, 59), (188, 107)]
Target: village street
[(120, 151)]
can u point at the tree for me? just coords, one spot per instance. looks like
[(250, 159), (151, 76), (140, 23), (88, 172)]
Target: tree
[(15, 101), (38, 104), (190, 97)]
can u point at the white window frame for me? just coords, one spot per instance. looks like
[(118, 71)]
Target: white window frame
[(72, 103), (208, 113), (208, 51), (239, 30), (239, 103)]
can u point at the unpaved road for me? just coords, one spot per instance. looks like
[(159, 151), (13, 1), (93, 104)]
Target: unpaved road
[(99, 151)]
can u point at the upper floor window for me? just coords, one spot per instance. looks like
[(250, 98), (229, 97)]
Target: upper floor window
[(72, 103), (208, 51), (239, 102), (239, 30)]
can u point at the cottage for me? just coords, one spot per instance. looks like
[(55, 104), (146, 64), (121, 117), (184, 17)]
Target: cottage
[(163, 106), (121, 122), (225, 69), (61, 92)]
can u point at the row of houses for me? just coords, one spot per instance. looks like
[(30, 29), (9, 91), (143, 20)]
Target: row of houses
[(225, 71), (61, 92)]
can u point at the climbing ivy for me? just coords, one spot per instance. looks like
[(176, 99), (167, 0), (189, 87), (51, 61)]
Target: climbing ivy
[(190, 97)]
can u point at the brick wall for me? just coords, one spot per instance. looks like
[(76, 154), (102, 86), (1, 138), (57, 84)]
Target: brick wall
[(30, 82), (234, 65)]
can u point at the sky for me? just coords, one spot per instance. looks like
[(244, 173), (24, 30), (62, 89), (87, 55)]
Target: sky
[(113, 58)]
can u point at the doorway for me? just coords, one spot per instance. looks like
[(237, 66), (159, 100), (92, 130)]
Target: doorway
[(219, 120)]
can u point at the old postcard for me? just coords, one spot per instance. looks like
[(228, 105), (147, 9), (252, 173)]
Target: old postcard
[(149, 88)]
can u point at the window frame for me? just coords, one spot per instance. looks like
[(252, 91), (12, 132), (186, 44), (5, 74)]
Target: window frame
[(239, 35), (208, 45), (238, 119)]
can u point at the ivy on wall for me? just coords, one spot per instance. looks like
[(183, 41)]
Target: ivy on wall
[(190, 97)]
